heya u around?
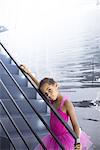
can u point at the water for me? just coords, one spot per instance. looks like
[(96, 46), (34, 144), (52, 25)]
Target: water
[(75, 60)]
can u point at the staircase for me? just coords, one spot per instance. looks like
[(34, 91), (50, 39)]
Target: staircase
[(6, 84), (24, 118)]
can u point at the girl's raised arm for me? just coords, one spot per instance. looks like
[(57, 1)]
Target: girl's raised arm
[(29, 73)]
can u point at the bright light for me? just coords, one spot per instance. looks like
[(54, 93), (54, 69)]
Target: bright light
[(23, 77), (32, 14)]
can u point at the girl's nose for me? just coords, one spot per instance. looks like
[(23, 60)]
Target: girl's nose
[(48, 95)]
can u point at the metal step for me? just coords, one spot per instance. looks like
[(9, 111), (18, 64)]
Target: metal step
[(22, 81), (16, 94), (13, 69), (4, 143), (5, 58), (33, 120), (39, 105), (28, 136)]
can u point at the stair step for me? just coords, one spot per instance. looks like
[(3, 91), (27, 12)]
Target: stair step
[(33, 120), (4, 143), (39, 105), (6, 59), (13, 69), (28, 136), (22, 81), (30, 92), (16, 94)]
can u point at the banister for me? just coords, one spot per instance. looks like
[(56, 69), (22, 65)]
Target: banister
[(31, 107), (45, 99)]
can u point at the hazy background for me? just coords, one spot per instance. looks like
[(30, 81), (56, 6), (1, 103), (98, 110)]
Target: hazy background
[(60, 39), (56, 38), (49, 31)]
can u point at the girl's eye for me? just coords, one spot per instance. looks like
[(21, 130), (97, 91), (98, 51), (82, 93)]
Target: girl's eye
[(49, 90)]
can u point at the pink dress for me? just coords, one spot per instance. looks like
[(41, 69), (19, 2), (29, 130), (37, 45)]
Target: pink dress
[(62, 134)]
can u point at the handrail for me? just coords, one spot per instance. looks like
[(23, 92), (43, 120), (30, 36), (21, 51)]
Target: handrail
[(31, 107), (22, 114), (8, 114), (6, 132), (45, 99)]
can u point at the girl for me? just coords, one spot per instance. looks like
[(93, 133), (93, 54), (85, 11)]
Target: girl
[(65, 108)]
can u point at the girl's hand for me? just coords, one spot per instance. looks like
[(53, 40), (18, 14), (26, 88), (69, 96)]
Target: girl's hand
[(25, 69), (78, 147)]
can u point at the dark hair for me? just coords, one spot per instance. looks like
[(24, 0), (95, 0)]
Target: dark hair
[(50, 81)]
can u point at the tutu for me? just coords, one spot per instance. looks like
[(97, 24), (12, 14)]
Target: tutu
[(62, 134)]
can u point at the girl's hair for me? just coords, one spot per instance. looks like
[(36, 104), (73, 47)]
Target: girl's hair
[(46, 80)]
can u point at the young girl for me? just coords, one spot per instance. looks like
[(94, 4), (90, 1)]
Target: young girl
[(65, 108)]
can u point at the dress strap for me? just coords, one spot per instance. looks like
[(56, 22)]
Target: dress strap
[(65, 98)]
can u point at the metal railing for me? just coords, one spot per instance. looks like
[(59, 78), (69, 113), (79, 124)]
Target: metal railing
[(32, 108), (45, 99)]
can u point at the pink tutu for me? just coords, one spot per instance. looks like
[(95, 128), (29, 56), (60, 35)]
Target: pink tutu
[(66, 140), (62, 134)]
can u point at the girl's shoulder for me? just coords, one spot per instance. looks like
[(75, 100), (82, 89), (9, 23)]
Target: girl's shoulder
[(65, 100), (68, 104)]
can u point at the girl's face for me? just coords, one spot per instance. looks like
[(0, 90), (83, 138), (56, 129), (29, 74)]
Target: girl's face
[(50, 90)]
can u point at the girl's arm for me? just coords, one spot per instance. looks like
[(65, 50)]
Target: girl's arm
[(29, 73), (72, 114)]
